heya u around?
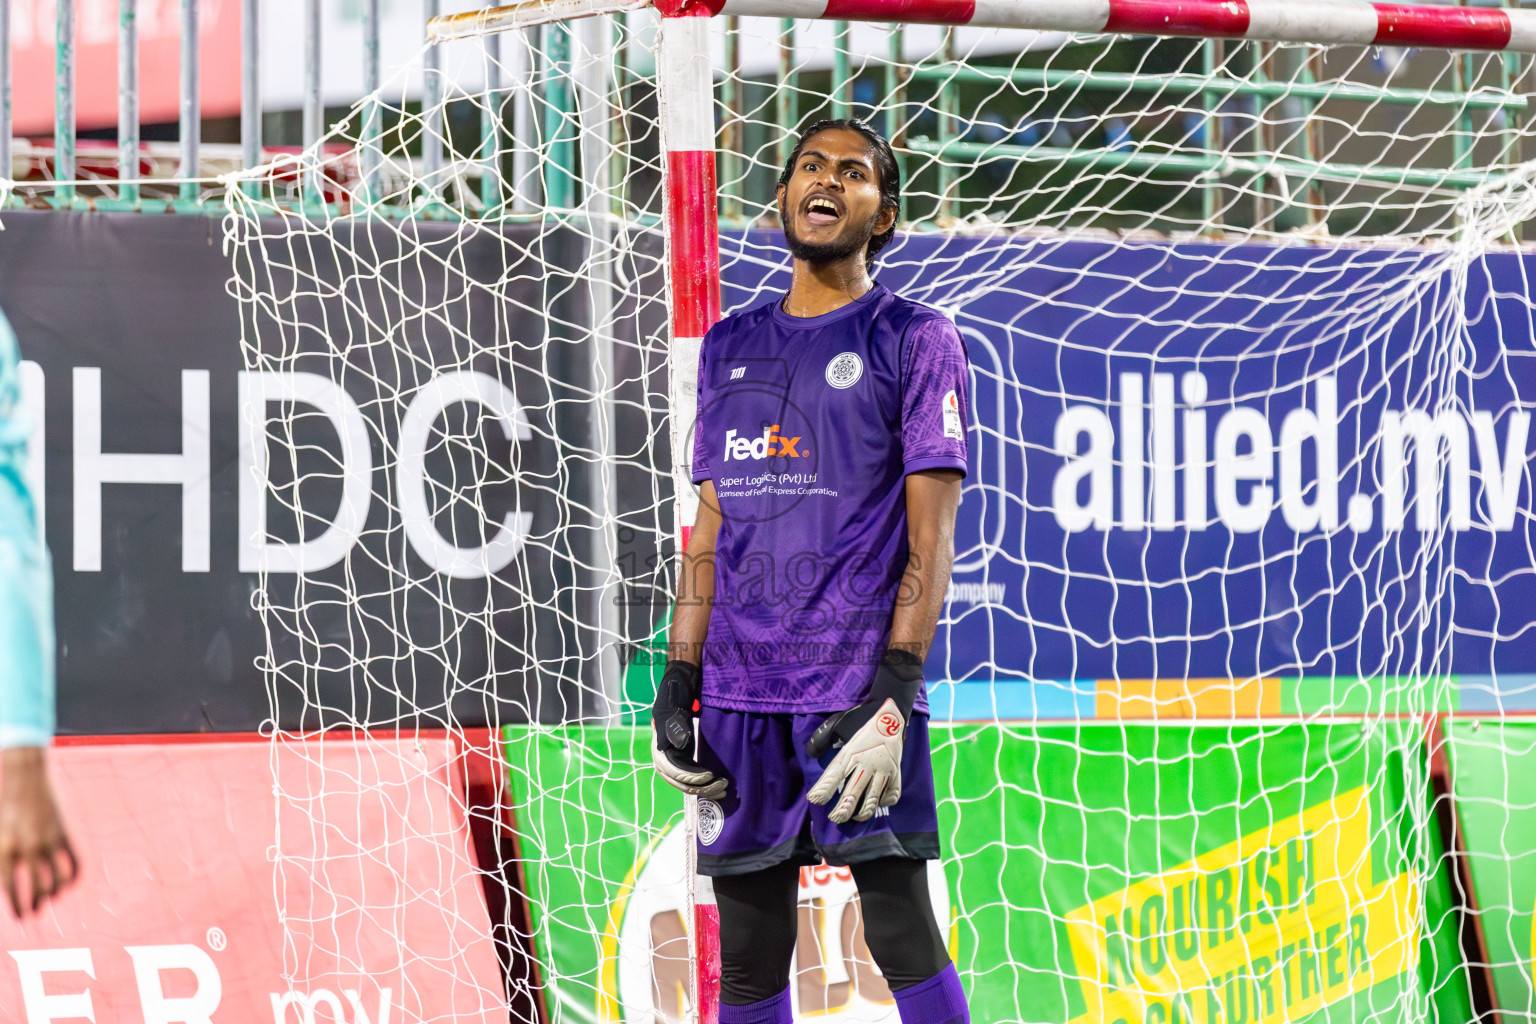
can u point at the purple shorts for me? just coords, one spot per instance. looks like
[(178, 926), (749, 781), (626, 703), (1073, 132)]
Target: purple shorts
[(764, 818)]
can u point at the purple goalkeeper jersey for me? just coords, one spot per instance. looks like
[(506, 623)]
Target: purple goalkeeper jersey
[(808, 427)]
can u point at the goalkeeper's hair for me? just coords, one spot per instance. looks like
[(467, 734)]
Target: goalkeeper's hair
[(885, 166)]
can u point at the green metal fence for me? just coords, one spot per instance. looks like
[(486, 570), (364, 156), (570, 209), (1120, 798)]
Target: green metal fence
[(934, 107)]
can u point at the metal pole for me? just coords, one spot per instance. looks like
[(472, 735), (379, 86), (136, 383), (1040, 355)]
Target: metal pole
[(5, 90), (1431, 177), (841, 84), (618, 132), (1179, 84), (1263, 209), (372, 115), (1435, 26), (730, 133), (525, 182), (191, 102), (127, 101), (1510, 151), (788, 99), (250, 87), (1509, 137), (685, 95), (559, 182), (592, 75), (947, 109), (431, 112), (1461, 145), (1312, 68), (314, 108), (1509, 144), (1209, 130), (64, 102), (896, 98), (490, 125)]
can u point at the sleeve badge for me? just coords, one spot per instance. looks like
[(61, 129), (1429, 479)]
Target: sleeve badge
[(952, 427)]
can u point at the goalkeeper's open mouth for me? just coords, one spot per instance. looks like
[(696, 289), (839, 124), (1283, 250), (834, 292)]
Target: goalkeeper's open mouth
[(821, 209)]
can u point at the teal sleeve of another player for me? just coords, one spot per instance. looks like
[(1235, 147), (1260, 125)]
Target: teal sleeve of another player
[(26, 578), (26, 624)]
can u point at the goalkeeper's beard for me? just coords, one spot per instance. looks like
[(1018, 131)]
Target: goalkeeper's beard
[(852, 243)]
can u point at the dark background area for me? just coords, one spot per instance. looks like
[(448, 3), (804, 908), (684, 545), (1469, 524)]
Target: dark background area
[(383, 640)]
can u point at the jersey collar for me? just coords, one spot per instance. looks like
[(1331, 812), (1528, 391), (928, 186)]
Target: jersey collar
[(811, 322)]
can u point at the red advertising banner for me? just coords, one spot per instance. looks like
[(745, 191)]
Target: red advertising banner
[(35, 72), (194, 855)]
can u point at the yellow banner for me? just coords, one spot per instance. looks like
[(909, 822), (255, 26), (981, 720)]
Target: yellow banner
[(1266, 929)]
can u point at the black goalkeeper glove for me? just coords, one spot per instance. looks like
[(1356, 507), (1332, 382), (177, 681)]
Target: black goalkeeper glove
[(870, 735), (673, 716)]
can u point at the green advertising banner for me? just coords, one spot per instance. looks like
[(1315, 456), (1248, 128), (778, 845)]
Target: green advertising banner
[(1149, 874), (1494, 770)]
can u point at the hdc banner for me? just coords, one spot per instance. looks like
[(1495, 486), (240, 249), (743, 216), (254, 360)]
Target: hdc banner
[(353, 449), (1144, 874)]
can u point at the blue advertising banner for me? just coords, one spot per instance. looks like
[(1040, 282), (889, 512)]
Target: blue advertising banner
[(1199, 482), (1229, 479)]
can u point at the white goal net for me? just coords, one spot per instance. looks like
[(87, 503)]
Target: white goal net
[(1251, 335)]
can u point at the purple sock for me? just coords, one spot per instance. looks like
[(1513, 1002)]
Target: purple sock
[(773, 1010), (939, 1000)]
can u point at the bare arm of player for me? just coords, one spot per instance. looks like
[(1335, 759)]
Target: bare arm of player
[(33, 842), (696, 583), (32, 835), (933, 499), (676, 711), (867, 768)]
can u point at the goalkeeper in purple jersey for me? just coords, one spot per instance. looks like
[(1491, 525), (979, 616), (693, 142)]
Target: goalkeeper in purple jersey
[(829, 450)]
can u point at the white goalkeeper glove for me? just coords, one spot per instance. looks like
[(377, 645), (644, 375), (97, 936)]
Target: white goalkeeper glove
[(867, 767), (672, 716)]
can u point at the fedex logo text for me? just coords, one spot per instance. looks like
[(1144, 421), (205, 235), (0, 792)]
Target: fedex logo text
[(770, 445)]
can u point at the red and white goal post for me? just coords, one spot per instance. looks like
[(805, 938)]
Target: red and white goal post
[(685, 73), (1222, 268)]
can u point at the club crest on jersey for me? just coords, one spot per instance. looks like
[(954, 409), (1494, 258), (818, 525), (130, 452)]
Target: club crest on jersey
[(845, 369), (952, 428), (711, 821), (771, 445)]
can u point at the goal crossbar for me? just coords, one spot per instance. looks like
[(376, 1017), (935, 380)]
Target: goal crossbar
[(1325, 22)]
